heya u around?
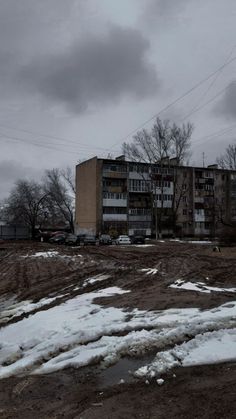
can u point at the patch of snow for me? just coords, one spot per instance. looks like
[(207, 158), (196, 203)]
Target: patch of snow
[(149, 271), (17, 308), (48, 254), (75, 321), (207, 348), (160, 381), (199, 287), (199, 241), (94, 279), (143, 245)]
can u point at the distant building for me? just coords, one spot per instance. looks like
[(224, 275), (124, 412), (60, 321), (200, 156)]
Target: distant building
[(118, 196)]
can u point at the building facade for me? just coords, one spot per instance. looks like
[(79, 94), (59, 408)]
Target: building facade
[(121, 197)]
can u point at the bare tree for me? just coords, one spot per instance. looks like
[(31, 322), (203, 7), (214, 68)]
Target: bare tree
[(26, 204), (180, 141), (69, 178), (60, 199), (164, 141), (228, 159)]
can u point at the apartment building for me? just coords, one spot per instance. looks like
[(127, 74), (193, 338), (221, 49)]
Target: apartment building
[(123, 197)]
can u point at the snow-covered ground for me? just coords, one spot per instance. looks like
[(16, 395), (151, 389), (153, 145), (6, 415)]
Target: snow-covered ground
[(15, 309), (79, 332)]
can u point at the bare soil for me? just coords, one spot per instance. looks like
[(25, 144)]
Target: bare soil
[(196, 392)]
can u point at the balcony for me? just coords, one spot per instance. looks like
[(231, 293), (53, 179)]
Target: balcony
[(139, 176), (114, 217), (114, 174), (140, 217), (114, 202)]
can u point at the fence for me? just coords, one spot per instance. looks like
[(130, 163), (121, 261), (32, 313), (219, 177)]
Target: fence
[(9, 232)]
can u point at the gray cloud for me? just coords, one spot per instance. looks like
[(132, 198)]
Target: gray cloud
[(11, 171), (226, 107), (166, 7), (157, 10), (95, 70)]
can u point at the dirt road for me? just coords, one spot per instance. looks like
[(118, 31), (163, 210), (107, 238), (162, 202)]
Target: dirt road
[(158, 277)]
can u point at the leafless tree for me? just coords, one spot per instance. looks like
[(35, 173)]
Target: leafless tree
[(69, 178), (228, 159), (60, 199), (26, 204), (165, 140), (180, 141)]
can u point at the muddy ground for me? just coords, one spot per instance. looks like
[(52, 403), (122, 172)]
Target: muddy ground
[(194, 392)]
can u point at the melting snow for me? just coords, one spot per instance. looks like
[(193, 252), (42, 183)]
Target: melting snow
[(78, 332), (199, 286), (17, 308), (143, 245), (48, 254), (149, 271), (95, 279), (207, 348)]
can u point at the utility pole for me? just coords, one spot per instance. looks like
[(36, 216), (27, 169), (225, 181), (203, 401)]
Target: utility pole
[(203, 159)]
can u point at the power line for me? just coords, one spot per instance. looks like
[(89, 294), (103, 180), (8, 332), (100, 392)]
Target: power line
[(175, 101), (64, 141), (207, 103), (47, 146), (212, 83)]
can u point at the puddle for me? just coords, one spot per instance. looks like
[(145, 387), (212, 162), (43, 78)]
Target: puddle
[(122, 370)]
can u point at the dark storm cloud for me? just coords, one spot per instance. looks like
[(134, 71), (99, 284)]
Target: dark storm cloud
[(227, 105), (95, 71), (27, 28)]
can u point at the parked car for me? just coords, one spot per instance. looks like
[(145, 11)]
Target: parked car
[(89, 239), (81, 237), (58, 239), (123, 240), (72, 239), (105, 239), (138, 240)]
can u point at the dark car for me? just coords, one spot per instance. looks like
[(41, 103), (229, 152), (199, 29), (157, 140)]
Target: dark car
[(89, 239), (72, 239), (81, 237), (138, 240), (105, 239), (58, 239)]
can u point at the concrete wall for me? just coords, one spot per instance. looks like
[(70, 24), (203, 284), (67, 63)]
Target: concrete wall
[(88, 196)]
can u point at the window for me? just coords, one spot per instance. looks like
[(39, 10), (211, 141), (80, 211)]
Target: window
[(184, 212), (139, 185), (139, 211), (112, 195), (139, 168)]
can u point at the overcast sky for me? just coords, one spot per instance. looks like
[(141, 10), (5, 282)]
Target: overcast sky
[(77, 76)]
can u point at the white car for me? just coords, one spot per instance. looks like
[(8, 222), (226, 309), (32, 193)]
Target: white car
[(123, 240)]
